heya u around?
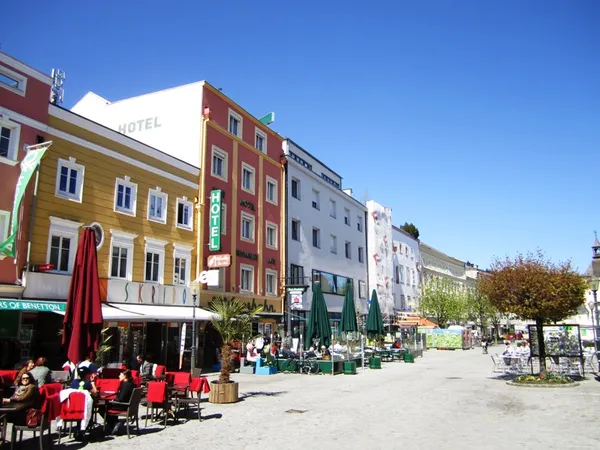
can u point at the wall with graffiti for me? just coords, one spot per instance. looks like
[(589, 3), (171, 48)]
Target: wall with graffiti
[(381, 263)]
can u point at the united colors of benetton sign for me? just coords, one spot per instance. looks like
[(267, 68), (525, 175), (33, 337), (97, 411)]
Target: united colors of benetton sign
[(214, 243)]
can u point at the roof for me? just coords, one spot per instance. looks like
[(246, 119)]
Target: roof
[(416, 321), (405, 233), (315, 158)]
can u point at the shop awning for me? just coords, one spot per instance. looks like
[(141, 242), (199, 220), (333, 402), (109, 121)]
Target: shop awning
[(112, 314), (23, 304), (165, 313)]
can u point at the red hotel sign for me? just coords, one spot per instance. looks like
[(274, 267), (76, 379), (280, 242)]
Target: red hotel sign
[(215, 261)]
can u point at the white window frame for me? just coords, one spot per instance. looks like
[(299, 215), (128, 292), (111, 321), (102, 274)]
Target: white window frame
[(12, 159), (155, 246), (332, 208), (72, 165), (220, 153), (347, 219), (223, 219), (275, 228), (165, 197), (333, 245), (318, 237), (316, 202), (247, 267), (348, 249), (126, 182), (4, 229), (183, 252), (362, 289), (299, 222), (240, 119), (298, 190), (252, 219), (361, 254), (21, 80), (64, 228), (258, 132), (252, 170), (273, 273), (275, 199), (184, 201), (125, 240)]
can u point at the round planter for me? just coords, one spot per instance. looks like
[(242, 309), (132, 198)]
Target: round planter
[(547, 385), (223, 393)]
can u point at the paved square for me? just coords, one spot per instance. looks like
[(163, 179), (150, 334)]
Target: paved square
[(444, 400)]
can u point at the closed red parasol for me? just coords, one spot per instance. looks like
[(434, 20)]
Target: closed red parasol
[(82, 325)]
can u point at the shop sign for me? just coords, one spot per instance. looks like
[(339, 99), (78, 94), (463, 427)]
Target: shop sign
[(216, 261), (7, 304), (214, 243), (247, 255), (296, 295)]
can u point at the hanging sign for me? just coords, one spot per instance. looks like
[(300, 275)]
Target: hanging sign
[(296, 297), (214, 226), (182, 345)]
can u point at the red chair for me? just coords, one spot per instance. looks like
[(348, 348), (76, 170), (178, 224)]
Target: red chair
[(110, 373), (197, 385), (72, 410), (7, 377), (108, 388), (137, 378), (160, 371), (50, 406), (51, 389), (181, 380), (156, 398)]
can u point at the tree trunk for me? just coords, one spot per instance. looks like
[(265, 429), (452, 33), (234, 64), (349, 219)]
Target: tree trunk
[(224, 376), (539, 326)]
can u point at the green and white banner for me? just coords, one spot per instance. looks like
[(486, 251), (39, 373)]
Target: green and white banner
[(28, 167)]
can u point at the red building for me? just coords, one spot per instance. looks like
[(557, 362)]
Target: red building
[(24, 97)]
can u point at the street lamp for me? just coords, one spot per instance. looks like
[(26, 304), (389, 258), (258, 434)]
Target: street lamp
[(193, 355), (595, 276)]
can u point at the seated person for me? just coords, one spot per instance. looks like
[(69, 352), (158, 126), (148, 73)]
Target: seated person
[(89, 364), (396, 344), (85, 382), (325, 353), (508, 350), (145, 368), (311, 353), (26, 368), (28, 392), (337, 347), (40, 372), (287, 353), (251, 354), (124, 392)]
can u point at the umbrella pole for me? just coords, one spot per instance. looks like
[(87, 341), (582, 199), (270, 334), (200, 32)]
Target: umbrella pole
[(362, 350)]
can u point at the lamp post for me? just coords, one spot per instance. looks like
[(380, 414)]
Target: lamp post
[(193, 355), (595, 276)]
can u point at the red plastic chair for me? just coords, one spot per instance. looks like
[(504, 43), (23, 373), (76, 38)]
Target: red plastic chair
[(160, 371), (108, 388), (50, 389), (181, 380), (137, 378), (156, 398), (72, 410)]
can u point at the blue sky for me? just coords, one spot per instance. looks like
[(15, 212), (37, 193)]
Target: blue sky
[(477, 121)]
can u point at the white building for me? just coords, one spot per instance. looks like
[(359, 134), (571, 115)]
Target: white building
[(437, 263), (326, 235), (381, 260), (407, 270)]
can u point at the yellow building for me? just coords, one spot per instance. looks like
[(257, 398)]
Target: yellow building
[(141, 203)]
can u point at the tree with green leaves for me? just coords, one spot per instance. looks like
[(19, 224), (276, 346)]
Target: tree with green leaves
[(442, 300), (534, 288), (410, 229), (480, 310)]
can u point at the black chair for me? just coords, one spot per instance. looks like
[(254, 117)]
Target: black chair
[(131, 413)]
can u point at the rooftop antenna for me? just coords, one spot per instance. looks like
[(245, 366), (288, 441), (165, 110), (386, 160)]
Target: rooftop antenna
[(58, 92)]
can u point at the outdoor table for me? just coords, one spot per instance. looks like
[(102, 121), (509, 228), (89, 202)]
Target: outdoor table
[(13, 407)]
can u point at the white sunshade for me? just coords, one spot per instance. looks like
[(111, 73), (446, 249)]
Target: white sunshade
[(158, 313), (110, 313)]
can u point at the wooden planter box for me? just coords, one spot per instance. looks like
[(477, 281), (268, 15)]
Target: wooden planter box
[(223, 393)]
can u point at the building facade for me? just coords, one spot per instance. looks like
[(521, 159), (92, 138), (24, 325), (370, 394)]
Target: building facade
[(437, 263), (407, 270), (24, 96), (241, 178), (326, 238)]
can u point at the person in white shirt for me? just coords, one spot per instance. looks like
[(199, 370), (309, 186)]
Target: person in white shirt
[(508, 350)]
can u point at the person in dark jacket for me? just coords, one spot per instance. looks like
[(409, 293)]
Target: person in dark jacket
[(123, 396)]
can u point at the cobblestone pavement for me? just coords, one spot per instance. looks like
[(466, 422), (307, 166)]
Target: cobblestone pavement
[(447, 399)]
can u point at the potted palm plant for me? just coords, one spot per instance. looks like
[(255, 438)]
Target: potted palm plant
[(233, 321)]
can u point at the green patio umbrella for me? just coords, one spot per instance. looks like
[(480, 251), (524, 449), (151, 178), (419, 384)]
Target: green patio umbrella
[(374, 319), (348, 324), (318, 319)]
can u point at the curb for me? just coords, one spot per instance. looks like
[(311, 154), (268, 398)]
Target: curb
[(544, 386)]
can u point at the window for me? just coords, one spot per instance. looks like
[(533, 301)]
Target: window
[(235, 123), (246, 278), (332, 211), (157, 205), (359, 223), (296, 230), (333, 247), (401, 274), (260, 140), (12, 81), (69, 180), (219, 164), (397, 274), (361, 255), (296, 275), (348, 250), (223, 218), (121, 255), (296, 188), (247, 178), (271, 235), (403, 301), (362, 289), (330, 283), (9, 141), (346, 216), (413, 278), (316, 237), (182, 263), (62, 243), (185, 214), (155, 261), (315, 203), (125, 196), (407, 276), (247, 227), (271, 190), (271, 282), (4, 227)]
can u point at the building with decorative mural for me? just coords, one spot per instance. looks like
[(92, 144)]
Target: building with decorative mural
[(406, 271), (381, 256)]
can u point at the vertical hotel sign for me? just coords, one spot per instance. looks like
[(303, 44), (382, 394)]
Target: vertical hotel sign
[(28, 167), (214, 243)]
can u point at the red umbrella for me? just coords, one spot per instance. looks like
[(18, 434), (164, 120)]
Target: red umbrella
[(82, 325)]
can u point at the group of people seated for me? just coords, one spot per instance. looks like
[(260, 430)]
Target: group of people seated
[(522, 349)]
